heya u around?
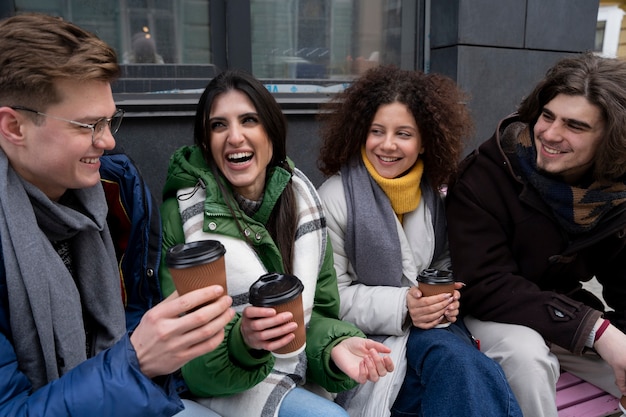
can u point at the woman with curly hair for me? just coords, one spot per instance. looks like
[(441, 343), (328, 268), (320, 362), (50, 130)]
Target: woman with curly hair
[(390, 143)]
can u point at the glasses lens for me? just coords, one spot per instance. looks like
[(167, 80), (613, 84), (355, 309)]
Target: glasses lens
[(114, 124), (116, 121)]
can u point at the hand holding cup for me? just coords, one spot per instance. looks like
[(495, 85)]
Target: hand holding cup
[(433, 282), (283, 293)]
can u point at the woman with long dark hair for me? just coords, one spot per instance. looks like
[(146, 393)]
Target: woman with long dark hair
[(238, 186)]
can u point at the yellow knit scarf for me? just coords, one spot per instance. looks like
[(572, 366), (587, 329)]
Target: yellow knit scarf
[(403, 192)]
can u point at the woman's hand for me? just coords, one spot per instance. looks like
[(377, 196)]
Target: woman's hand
[(427, 312), (262, 328), (361, 359)]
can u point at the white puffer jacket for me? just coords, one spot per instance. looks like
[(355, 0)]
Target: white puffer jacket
[(379, 310)]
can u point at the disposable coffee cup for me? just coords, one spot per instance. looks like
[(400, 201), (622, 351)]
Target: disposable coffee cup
[(282, 292), (196, 265), (622, 404), (434, 281)]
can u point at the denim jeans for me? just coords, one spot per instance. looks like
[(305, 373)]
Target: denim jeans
[(302, 403), (446, 376)]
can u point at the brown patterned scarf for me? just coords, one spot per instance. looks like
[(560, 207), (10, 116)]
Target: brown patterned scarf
[(578, 208)]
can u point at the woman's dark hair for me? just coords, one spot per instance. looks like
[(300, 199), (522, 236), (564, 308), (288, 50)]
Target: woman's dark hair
[(283, 220), (435, 101), (602, 81)]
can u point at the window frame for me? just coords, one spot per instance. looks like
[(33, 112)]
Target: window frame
[(231, 47)]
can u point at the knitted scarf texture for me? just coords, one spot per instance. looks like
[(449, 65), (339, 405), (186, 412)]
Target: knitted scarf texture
[(403, 192), (46, 304), (578, 208), (372, 226)]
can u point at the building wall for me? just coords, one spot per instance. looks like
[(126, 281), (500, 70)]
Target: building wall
[(621, 4), (495, 49), (498, 49)]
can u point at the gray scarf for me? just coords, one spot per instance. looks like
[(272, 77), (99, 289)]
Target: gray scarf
[(46, 304), (372, 226)]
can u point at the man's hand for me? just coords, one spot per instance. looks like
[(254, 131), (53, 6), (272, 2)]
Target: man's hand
[(611, 346), (171, 333)]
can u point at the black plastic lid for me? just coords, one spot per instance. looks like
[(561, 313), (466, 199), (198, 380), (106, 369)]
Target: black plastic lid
[(273, 289), (189, 254), (435, 276)]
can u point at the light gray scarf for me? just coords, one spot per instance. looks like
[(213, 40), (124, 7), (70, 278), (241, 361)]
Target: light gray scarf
[(46, 305), (372, 226)]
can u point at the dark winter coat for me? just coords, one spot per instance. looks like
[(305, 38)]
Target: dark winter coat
[(110, 383), (519, 265)]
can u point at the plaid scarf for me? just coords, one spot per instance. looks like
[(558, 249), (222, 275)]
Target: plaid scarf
[(244, 266), (578, 209)]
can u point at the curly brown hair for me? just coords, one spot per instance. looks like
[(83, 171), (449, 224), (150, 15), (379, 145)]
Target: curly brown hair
[(435, 101)]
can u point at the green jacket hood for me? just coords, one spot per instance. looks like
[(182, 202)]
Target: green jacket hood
[(185, 167)]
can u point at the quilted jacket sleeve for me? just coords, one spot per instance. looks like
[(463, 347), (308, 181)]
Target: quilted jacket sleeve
[(110, 384)]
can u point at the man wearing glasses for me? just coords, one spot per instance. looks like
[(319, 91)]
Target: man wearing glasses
[(64, 346)]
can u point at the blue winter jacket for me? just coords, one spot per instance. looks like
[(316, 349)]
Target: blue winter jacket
[(109, 384)]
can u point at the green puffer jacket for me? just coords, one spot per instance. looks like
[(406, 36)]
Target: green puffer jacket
[(232, 367)]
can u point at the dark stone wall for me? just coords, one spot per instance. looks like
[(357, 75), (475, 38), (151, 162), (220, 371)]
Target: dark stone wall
[(497, 50), (151, 140)]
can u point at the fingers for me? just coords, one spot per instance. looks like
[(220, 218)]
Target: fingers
[(620, 381), (204, 326), (262, 328), (167, 337), (202, 314), (388, 363), (381, 363), (376, 366), (377, 346), (176, 305), (371, 369), (433, 302), (414, 292), (427, 312), (258, 312)]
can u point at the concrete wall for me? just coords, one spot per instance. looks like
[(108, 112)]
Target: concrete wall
[(498, 49), (151, 140)]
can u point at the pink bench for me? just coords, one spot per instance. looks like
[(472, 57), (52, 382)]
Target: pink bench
[(577, 398)]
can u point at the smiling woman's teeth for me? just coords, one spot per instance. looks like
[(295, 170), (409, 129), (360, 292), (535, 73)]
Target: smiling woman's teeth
[(387, 159), (239, 157), (90, 160)]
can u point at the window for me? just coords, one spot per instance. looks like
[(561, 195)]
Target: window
[(323, 39), (599, 41), (176, 46), (608, 28)]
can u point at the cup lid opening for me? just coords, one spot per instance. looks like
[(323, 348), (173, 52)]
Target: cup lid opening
[(273, 289), (435, 276), (189, 254)]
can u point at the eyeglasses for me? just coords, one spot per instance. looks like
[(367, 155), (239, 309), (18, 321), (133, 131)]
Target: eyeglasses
[(97, 129)]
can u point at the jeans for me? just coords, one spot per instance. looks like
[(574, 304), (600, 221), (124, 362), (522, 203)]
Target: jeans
[(302, 403), (533, 367), (446, 377)]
